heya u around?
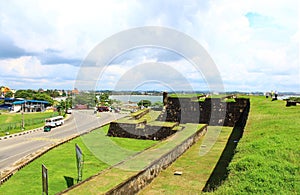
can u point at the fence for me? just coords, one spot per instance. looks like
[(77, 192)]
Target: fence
[(9, 128)]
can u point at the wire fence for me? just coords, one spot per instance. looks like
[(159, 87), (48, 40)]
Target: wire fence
[(9, 128)]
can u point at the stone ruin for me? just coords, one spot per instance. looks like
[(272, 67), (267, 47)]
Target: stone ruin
[(182, 110), (212, 111)]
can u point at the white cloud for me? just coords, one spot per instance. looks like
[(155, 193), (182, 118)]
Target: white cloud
[(248, 56), (27, 70)]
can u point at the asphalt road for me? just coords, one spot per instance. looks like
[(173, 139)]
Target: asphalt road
[(16, 148)]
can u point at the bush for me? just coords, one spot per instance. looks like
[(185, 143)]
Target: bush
[(145, 103)]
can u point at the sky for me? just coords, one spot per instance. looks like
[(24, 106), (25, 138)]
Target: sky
[(253, 44)]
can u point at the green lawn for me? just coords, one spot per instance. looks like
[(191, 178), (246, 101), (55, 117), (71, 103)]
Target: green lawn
[(149, 117), (145, 110), (61, 163), (195, 167), (267, 158), (11, 122), (110, 178), (175, 95)]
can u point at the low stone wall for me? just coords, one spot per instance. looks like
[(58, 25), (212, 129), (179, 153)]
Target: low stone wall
[(158, 132), (130, 130), (144, 177)]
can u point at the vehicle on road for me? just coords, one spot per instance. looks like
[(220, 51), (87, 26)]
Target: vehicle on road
[(54, 121), (103, 109), (47, 128), (69, 111)]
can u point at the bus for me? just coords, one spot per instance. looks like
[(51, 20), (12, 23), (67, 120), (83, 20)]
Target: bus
[(54, 121)]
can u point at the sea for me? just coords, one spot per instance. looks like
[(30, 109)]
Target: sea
[(283, 97), (136, 98)]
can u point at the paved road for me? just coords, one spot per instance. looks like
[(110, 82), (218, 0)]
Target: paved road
[(14, 149)]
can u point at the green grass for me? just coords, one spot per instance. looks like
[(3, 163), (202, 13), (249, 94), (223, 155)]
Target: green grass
[(110, 178), (296, 99), (61, 163), (139, 112), (162, 123), (196, 168), (161, 148), (149, 117), (267, 158), (11, 122), (175, 95)]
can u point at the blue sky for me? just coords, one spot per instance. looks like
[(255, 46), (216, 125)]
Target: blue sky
[(254, 44)]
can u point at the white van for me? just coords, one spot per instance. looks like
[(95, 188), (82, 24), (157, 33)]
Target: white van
[(54, 121)]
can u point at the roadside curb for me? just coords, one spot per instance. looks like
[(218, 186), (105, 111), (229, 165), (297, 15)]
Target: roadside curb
[(29, 131), (31, 157), (21, 133)]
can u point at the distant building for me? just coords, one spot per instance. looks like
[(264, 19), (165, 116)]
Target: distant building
[(19, 104), (75, 91), (4, 90), (81, 106), (60, 99)]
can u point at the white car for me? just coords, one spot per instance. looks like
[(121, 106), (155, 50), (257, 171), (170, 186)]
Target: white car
[(69, 111)]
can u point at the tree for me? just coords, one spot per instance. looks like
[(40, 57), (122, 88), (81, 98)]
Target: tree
[(26, 94), (145, 103), (104, 99), (64, 94), (43, 97), (61, 106), (52, 93), (9, 94), (85, 98)]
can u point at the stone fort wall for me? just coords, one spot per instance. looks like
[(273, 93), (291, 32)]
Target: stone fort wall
[(212, 111), (152, 132)]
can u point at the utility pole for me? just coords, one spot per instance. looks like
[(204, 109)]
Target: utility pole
[(23, 122)]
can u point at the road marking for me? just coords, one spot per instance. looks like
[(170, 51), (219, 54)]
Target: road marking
[(43, 139), (21, 153)]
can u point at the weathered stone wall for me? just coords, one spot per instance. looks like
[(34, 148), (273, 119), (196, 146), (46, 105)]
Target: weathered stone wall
[(134, 184), (212, 111), (132, 131), (158, 132), (144, 177), (123, 130)]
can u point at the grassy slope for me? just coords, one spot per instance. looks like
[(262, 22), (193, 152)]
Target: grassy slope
[(195, 167), (267, 157), (13, 118), (110, 178), (17, 117), (61, 163)]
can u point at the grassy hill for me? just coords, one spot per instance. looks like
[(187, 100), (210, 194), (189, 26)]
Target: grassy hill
[(267, 158)]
